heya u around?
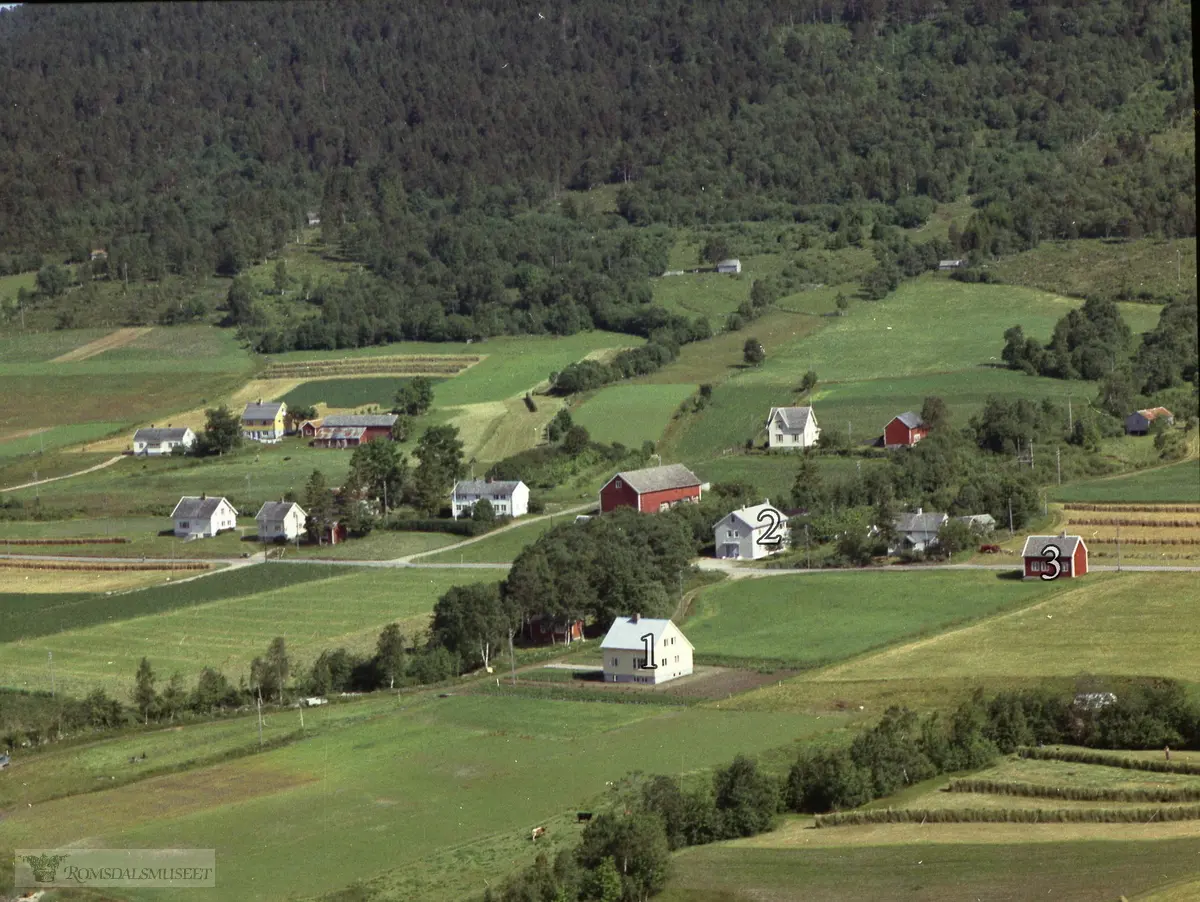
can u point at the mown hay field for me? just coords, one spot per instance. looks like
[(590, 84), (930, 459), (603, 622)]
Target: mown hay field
[(347, 610), (631, 414), (1129, 624), (1179, 482), (814, 619), (468, 773), (934, 863)]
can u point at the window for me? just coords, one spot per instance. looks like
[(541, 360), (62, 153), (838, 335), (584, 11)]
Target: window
[(795, 439), (616, 662), (729, 534), (779, 438), (183, 525), (617, 484)]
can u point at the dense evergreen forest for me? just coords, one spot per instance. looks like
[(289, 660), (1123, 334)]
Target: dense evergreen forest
[(189, 139)]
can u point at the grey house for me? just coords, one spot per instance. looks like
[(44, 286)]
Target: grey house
[(916, 531), (751, 533)]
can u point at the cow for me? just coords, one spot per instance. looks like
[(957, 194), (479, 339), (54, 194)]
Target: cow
[(582, 816), (989, 549), (537, 831)]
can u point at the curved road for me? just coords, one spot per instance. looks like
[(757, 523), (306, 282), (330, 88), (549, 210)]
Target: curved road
[(99, 466)]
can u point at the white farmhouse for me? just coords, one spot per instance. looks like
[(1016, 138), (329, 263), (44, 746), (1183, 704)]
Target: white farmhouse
[(645, 650), (730, 266), (508, 499), (792, 427), (280, 520), (197, 518), (751, 533), (155, 441)]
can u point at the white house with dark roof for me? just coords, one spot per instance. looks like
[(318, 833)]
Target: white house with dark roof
[(792, 427), (162, 440), (280, 520), (917, 530), (508, 499), (645, 650), (203, 517), (732, 266), (751, 533), (264, 422)]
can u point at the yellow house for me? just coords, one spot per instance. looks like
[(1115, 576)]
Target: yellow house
[(264, 422)]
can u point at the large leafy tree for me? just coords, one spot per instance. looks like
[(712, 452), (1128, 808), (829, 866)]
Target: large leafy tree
[(471, 622), (380, 471), (222, 431), (440, 453)]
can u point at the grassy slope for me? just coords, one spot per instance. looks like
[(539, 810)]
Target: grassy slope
[(464, 773), (1134, 624), (630, 414), (1009, 872), (811, 619), (347, 610), (26, 615), (1175, 483)]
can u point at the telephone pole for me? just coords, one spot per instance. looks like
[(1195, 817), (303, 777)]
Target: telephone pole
[(50, 657), (1070, 416), (1010, 527), (1118, 547), (1058, 463)]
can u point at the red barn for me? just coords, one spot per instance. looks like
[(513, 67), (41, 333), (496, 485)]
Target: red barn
[(352, 430), (309, 428), (904, 431), (650, 490), (1051, 557)]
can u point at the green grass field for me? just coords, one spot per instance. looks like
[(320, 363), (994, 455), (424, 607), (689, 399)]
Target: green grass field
[(26, 616), (1178, 482), (1131, 624), (1013, 871), (340, 393), (469, 774), (1095, 266), (502, 547), (630, 414), (227, 633), (775, 474), (813, 619), (56, 437), (36, 347), (249, 476)]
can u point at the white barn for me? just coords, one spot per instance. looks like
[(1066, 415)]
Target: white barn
[(627, 643), (280, 520), (730, 266), (792, 427), (508, 499), (155, 440), (751, 533), (203, 517)]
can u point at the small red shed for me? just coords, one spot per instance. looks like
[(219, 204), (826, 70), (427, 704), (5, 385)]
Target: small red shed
[(309, 428), (904, 431), (651, 490), (1051, 557), (555, 630)]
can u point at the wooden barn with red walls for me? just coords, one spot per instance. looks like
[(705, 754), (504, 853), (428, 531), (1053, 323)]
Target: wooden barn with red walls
[(904, 431), (1054, 557), (651, 490)]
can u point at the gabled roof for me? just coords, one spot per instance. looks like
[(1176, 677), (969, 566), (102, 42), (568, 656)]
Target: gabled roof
[(331, 433), (486, 489), (656, 479), (923, 521), (627, 634), (732, 261), (277, 510), (194, 508), (910, 419), (1153, 413), (1035, 546), (794, 418), (266, 411), (157, 435), (749, 515), (360, 419)]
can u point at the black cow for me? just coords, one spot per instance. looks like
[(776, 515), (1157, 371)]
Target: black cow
[(582, 816)]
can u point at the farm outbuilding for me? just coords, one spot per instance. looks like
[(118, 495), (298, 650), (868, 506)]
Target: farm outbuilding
[(1050, 557), (645, 650), (730, 266), (1140, 421), (162, 440), (350, 430), (651, 490), (904, 431)]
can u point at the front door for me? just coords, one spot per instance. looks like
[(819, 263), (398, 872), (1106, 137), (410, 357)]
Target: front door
[(732, 550)]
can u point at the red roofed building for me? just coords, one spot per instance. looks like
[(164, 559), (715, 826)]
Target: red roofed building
[(651, 490)]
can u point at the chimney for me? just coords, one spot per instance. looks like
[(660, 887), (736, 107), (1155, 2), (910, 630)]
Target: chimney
[(1063, 534), (636, 618), (918, 511), (203, 496)]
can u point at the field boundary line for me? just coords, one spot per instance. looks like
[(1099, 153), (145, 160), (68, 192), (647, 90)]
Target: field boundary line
[(118, 338), (99, 466), (411, 559)]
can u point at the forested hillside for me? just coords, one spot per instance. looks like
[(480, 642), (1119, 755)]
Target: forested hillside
[(193, 138)]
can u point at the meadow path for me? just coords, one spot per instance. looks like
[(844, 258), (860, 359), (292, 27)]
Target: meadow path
[(524, 521), (99, 466)]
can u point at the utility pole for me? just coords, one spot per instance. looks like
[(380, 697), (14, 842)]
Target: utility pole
[(1070, 416), (1118, 547), (807, 551), (1010, 527), (850, 433), (50, 657), (1058, 463), (260, 739)]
